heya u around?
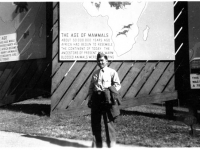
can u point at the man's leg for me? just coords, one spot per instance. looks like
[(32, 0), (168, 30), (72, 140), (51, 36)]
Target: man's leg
[(96, 128), (110, 130)]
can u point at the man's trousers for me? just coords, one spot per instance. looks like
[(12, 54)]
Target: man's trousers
[(101, 111)]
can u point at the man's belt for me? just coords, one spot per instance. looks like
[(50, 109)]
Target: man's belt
[(99, 92)]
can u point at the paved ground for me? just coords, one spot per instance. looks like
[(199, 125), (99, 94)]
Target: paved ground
[(16, 140)]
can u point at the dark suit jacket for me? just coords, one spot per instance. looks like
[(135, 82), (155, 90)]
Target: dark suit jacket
[(112, 100), (113, 97)]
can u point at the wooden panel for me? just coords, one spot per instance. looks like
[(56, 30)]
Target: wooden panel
[(125, 67), (6, 73), (25, 79), (152, 80), (10, 79), (55, 48), (84, 90), (11, 95), (81, 96), (130, 77), (140, 79), (65, 84), (170, 87), (147, 99), (84, 110), (44, 80), (36, 73), (55, 31), (8, 100), (2, 67), (55, 65), (164, 79), (60, 75), (70, 94), (55, 12), (115, 65), (55, 4)]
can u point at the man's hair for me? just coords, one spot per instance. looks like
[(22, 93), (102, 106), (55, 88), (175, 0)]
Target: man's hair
[(99, 55)]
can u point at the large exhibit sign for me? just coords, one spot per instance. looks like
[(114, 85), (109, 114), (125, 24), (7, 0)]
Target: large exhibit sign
[(194, 43), (22, 31), (137, 30)]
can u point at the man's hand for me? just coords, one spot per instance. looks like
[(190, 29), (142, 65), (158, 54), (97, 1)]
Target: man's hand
[(89, 103)]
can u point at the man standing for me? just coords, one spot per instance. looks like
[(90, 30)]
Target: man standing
[(103, 93)]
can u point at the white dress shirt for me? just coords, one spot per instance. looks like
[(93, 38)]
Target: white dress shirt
[(104, 78)]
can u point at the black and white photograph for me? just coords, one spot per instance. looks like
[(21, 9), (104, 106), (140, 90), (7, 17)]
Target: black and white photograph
[(99, 74)]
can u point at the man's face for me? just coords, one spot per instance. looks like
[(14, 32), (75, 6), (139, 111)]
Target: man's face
[(102, 62)]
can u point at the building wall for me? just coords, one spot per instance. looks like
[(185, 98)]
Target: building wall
[(24, 79), (143, 82)]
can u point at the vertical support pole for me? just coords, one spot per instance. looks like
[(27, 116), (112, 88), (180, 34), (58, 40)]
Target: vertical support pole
[(169, 109)]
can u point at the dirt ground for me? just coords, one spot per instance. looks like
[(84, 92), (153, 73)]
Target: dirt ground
[(16, 140)]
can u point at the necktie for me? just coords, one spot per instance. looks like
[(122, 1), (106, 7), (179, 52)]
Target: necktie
[(100, 80), (100, 75)]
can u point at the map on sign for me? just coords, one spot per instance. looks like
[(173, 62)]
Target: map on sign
[(127, 30), (123, 21)]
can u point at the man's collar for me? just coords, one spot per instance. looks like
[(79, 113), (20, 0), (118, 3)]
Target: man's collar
[(103, 69)]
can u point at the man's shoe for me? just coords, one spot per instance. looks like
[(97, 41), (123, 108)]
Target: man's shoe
[(112, 144), (97, 145)]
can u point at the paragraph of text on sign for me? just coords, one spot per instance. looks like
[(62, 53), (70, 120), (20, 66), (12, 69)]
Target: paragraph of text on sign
[(8, 48), (85, 46)]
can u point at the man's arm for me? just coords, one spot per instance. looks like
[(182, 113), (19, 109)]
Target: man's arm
[(90, 92), (116, 81)]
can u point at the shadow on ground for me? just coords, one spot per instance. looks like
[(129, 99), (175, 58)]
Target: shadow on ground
[(36, 109), (130, 112), (58, 141), (44, 110), (179, 115)]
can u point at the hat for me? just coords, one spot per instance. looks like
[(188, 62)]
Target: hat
[(100, 54)]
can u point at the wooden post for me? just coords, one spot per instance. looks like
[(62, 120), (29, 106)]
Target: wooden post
[(169, 109)]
